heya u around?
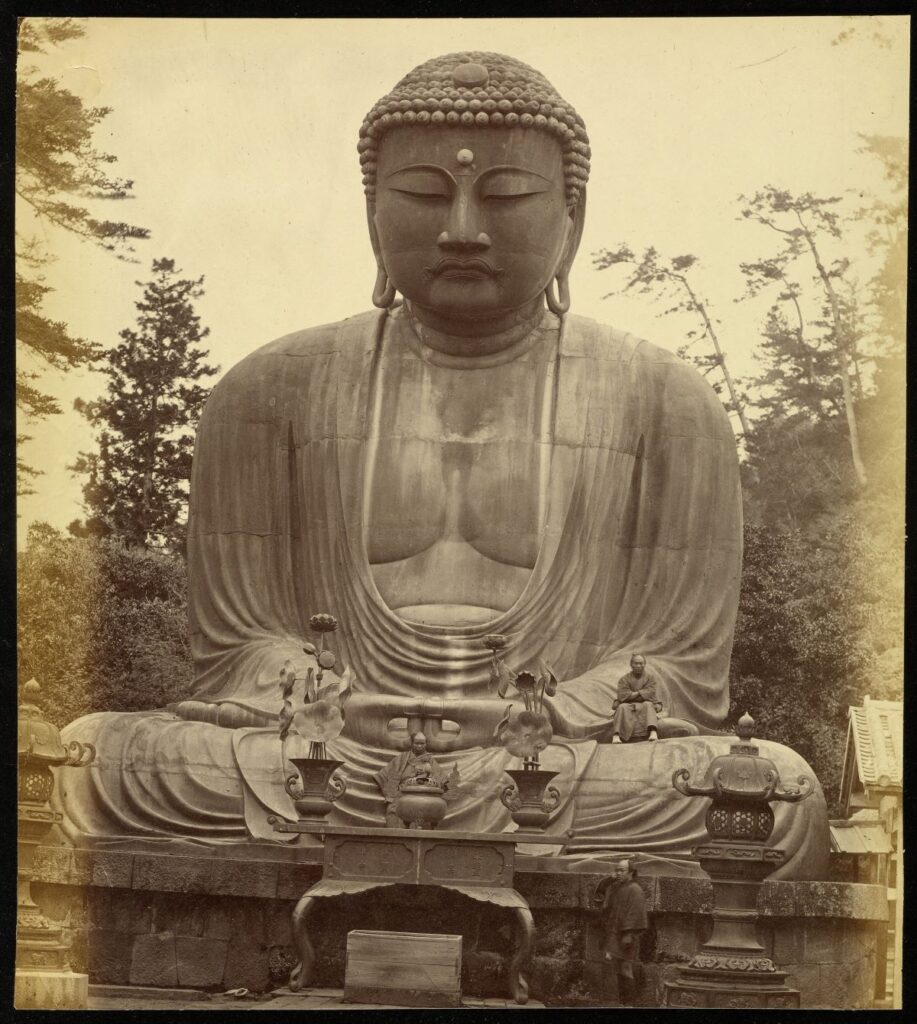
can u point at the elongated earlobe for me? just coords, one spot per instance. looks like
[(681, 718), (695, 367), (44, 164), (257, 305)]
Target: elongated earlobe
[(560, 302), (383, 291)]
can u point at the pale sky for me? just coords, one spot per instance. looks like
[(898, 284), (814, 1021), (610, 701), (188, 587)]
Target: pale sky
[(240, 136)]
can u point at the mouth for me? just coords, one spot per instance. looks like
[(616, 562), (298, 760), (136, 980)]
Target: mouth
[(474, 268)]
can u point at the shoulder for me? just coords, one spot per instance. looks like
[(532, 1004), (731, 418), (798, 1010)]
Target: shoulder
[(296, 355), (634, 891), (651, 373)]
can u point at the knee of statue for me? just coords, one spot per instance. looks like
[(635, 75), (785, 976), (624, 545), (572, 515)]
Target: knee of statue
[(467, 470)]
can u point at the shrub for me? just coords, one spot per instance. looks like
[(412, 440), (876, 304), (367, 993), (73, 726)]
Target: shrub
[(102, 626)]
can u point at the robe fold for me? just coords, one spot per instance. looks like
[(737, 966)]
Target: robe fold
[(640, 550)]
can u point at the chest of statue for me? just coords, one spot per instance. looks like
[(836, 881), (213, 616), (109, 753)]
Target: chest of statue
[(457, 465)]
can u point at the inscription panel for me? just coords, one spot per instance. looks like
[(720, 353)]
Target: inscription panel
[(389, 860), (466, 863)]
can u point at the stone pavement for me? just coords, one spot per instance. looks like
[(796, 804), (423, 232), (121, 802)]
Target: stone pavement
[(124, 997)]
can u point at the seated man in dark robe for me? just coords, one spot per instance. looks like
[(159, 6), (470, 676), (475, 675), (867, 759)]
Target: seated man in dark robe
[(636, 707), (414, 767)]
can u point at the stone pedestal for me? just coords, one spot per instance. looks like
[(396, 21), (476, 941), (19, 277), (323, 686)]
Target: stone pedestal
[(732, 969), (51, 990), (220, 918)]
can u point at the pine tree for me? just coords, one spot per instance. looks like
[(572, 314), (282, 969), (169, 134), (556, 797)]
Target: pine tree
[(668, 279), (807, 224), (56, 164), (138, 481)]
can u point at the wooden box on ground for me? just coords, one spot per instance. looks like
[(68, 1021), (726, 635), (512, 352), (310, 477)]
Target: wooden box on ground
[(403, 969)]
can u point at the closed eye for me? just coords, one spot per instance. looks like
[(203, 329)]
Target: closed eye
[(421, 195), (502, 196)]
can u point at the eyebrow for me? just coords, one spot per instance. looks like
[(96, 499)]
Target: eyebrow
[(511, 167), (422, 167)]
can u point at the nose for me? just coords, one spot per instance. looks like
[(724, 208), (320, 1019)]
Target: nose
[(463, 232)]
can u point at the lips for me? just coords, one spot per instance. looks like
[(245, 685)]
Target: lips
[(473, 268)]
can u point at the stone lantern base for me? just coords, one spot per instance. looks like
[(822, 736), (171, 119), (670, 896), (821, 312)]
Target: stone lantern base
[(721, 989), (731, 969), (51, 990)]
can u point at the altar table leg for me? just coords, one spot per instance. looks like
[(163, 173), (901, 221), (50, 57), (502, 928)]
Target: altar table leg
[(301, 974), (525, 941)]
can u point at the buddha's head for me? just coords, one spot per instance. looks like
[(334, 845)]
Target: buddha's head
[(475, 174)]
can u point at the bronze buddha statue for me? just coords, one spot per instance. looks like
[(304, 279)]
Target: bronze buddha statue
[(471, 460)]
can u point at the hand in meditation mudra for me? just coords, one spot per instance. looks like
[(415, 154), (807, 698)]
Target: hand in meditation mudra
[(473, 459)]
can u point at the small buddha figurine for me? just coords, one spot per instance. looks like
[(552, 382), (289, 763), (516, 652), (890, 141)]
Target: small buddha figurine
[(636, 707), (467, 458)]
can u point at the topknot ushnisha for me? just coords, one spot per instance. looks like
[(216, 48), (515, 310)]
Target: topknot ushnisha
[(480, 89)]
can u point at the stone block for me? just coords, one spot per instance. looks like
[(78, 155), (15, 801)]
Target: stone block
[(109, 956), (594, 938), (80, 867), (132, 911), (51, 990), (218, 920), (160, 873), (788, 942), (112, 869), (863, 971), (827, 940), (683, 895), (58, 902), (181, 915), (278, 923), (294, 879), (119, 910), (835, 990), (550, 891), (153, 960), (677, 936), (52, 864), (244, 878), (841, 899), (777, 899), (247, 965), (201, 962), (807, 978)]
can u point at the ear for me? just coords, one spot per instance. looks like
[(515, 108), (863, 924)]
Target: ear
[(577, 219), (373, 233)]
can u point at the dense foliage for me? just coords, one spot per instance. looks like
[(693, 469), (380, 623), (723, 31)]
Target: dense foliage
[(59, 176), (139, 478), (102, 626), (820, 622)]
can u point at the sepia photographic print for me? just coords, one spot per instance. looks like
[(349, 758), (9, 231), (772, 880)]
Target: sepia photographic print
[(435, 590)]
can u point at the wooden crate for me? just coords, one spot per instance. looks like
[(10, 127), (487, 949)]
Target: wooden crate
[(403, 969)]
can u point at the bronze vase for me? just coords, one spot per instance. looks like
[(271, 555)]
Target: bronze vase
[(316, 789), (526, 799)]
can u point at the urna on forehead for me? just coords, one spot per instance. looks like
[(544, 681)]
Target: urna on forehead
[(478, 90)]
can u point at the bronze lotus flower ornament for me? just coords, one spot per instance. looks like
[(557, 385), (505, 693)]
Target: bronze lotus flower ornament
[(319, 718), (525, 735)]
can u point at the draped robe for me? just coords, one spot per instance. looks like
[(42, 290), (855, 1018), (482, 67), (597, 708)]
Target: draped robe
[(640, 550)]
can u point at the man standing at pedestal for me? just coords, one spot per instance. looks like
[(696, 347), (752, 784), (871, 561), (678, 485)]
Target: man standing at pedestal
[(624, 907), (636, 706)]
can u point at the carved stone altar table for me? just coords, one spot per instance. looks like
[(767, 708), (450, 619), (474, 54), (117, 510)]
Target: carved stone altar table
[(477, 865)]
